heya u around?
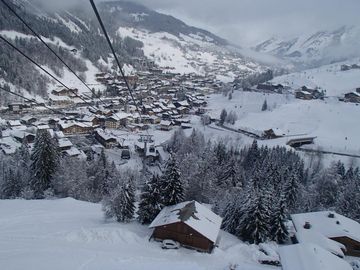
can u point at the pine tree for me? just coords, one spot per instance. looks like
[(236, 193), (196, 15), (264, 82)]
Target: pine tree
[(223, 115), (172, 189), (120, 203), (44, 161), (232, 215), (252, 155), (254, 226), (291, 190), (264, 106), (279, 232), (150, 201), (11, 187)]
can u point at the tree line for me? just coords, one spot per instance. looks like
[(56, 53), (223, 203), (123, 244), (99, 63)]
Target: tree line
[(253, 188)]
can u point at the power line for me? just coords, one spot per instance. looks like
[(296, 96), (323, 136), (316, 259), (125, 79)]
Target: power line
[(37, 103), (40, 38), (61, 60), (47, 72), (115, 56), (31, 100)]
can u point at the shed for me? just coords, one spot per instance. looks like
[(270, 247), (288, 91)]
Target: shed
[(190, 223)]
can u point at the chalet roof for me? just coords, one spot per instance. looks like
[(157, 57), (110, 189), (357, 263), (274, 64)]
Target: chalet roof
[(193, 214), (305, 236), (64, 142), (310, 257), (338, 226), (105, 135), (165, 123), (64, 125)]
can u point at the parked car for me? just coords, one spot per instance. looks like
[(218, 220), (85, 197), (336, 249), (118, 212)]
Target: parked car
[(170, 244), (125, 154)]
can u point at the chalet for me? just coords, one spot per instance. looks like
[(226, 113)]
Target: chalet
[(273, 133), (165, 125), (303, 95), (64, 144), (105, 139), (23, 136), (72, 128), (300, 141), (270, 87), (116, 121), (60, 100), (61, 92), (352, 97), (190, 223), (333, 226), (16, 107), (310, 257), (28, 120)]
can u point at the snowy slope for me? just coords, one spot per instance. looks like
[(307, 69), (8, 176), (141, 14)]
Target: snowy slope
[(329, 78), (189, 53), (314, 49), (334, 123), (70, 234)]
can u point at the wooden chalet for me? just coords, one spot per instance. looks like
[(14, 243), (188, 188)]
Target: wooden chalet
[(105, 139), (300, 141), (352, 97), (303, 95), (165, 125), (64, 92), (189, 223), (332, 225), (72, 128)]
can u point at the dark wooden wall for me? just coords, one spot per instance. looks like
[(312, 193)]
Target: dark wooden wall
[(183, 234), (352, 246)]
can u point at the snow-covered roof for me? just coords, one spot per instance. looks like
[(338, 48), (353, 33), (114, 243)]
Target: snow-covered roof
[(193, 214), (72, 152), (14, 123), (165, 123), (310, 236), (336, 226), (310, 257), (64, 142)]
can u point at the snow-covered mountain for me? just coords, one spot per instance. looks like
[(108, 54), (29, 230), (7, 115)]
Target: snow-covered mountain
[(136, 31), (315, 49)]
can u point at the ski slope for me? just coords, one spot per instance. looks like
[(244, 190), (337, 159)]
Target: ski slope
[(329, 78), (69, 234), (334, 123)]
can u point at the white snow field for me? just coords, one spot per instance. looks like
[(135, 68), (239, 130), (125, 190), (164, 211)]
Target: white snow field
[(334, 124), (70, 234), (329, 78)]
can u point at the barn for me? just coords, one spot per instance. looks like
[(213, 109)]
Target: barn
[(333, 226), (190, 223)]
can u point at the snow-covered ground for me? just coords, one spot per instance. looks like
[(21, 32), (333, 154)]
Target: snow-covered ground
[(69, 234), (329, 78), (334, 123)]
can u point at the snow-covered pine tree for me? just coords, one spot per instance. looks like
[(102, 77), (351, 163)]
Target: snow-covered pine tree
[(11, 186), (150, 201), (279, 232), (230, 175), (254, 226), (120, 203), (232, 215), (252, 155), (291, 190), (44, 161), (171, 185)]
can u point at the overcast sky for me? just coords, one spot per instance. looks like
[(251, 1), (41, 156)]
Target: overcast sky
[(250, 21)]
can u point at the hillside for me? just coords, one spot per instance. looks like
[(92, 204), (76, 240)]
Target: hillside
[(70, 234), (331, 78), (315, 49), (137, 33)]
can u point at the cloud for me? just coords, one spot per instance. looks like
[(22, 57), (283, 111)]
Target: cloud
[(247, 22)]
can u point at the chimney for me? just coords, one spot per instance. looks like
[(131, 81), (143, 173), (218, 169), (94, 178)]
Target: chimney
[(331, 215), (307, 225)]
